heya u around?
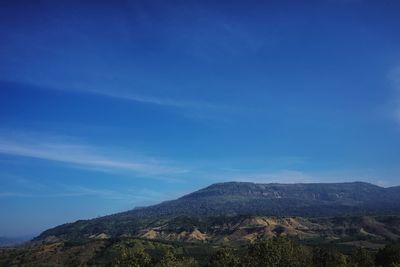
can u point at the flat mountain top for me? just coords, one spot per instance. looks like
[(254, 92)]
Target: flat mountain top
[(322, 191), (232, 199), (309, 200)]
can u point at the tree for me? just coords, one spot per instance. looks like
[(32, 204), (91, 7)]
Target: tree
[(360, 257), (169, 259), (187, 262), (388, 256), (278, 252), (328, 258), (133, 258), (225, 257)]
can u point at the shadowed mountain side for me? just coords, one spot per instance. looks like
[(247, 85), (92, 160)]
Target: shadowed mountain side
[(226, 200)]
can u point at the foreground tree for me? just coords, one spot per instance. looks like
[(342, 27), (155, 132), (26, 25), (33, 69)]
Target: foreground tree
[(169, 259), (360, 257), (133, 258), (225, 257), (279, 252), (388, 256), (187, 262), (328, 258)]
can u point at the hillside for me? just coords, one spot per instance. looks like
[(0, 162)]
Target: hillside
[(314, 222), (219, 205), (306, 200), (279, 252)]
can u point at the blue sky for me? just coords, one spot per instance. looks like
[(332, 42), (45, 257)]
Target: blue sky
[(109, 105)]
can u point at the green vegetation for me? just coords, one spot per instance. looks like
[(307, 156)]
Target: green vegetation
[(281, 252), (217, 203), (389, 255), (234, 225), (224, 257), (372, 230), (133, 258), (275, 252)]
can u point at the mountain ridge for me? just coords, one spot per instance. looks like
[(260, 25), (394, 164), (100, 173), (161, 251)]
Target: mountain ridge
[(275, 199), (232, 199)]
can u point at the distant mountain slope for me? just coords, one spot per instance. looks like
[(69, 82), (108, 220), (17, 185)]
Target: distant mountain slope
[(280, 200), (250, 199)]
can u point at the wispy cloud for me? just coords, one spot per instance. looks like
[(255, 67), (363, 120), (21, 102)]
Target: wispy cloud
[(176, 103), (13, 194), (130, 196), (123, 93), (82, 156), (394, 77)]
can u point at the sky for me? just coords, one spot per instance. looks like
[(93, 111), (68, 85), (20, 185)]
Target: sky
[(110, 105)]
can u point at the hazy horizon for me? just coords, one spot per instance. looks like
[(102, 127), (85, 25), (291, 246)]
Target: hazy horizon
[(110, 105)]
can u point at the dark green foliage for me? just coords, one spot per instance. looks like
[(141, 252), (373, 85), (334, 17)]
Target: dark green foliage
[(188, 262), (133, 258), (278, 252), (169, 260), (360, 257), (281, 252), (388, 256), (328, 258), (225, 257)]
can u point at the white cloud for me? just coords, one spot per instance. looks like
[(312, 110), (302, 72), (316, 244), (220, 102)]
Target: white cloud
[(177, 103), (131, 196), (13, 194), (128, 94), (394, 77), (82, 156)]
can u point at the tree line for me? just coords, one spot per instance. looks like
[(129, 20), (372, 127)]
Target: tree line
[(277, 252)]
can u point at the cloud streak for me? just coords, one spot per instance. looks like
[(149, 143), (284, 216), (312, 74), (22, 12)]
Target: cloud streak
[(82, 156), (122, 94), (158, 101), (133, 196), (394, 77)]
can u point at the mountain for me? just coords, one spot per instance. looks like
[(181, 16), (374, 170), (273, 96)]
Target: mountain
[(220, 204), (310, 200)]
